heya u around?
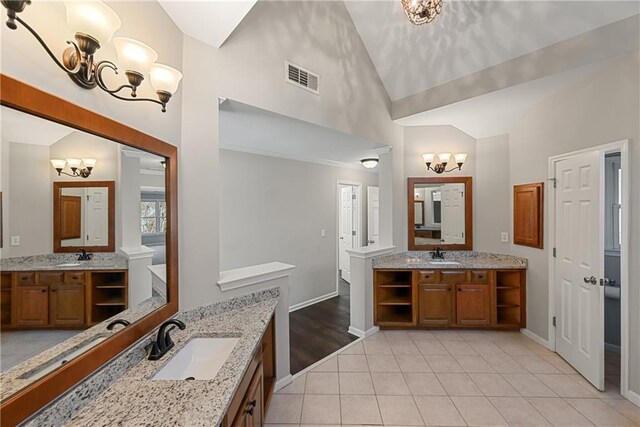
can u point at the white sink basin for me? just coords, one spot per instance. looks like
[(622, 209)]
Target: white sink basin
[(200, 359), (69, 264), (445, 262)]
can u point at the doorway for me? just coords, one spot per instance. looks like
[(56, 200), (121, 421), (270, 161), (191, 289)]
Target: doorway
[(349, 230), (588, 274)]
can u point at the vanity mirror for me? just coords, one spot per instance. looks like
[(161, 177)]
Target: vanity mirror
[(440, 213), (78, 251)]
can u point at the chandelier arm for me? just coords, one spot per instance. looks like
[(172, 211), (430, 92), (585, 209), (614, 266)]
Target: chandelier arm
[(46, 48), (454, 168), (100, 66)]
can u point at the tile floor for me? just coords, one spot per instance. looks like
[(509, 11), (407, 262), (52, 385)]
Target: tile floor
[(18, 346), (448, 378)]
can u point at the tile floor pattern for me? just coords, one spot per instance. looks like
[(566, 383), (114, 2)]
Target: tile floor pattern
[(18, 346), (448, 378)]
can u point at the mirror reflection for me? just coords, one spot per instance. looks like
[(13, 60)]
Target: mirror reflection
[(84, 222), (439, 214)]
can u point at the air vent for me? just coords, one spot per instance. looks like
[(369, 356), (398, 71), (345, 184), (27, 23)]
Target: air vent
[(303, 78)]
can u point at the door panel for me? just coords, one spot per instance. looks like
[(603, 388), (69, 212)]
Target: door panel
[(67, 305), (373, 215), (346, 227), (473, 305), (32, 306), (97, 216), (579, 246), (436, 305), (453, 214)]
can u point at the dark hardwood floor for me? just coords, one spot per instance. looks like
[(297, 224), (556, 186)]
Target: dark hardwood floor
[(319, 330)]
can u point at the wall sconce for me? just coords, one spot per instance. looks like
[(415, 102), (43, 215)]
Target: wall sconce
[(94, 23), (75, 165), (369, 163), (443, 159)]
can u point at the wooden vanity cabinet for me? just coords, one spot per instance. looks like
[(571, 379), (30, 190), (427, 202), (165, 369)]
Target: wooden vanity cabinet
[(436, 305), (473, 305), (32, 306), (66, 305)]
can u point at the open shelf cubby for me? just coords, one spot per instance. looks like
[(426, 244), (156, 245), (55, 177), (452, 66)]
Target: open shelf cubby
[(508, 297), (108, 294), (394, 296), (395, 313), (5, 298)]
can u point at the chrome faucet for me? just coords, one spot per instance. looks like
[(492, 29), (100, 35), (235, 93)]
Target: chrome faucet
[(83, 255), (438, 254), (163, 342)]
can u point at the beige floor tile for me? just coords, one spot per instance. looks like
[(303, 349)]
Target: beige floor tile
[(564, 386), (356, 383), (626, 408), (458, 384), (413, 363), (599, 412), (473, 335), (478, 411), (611, 391), (558, 412), (504, 364), (391, 384), (493, 385), (296, 386), (282, 425), (404, 348), (518, 412), (321, 409), (458, 347), (528, 385), (330, 365), (538, 349), (485, 347), (448, 335), (420, 336), (537, 365), (378, 336), (382, 363), (559, 363), (429, 348), (352, 363), (424, 384), (474, 363), (515, 349), (322, 383), (360, 410), (393, 336), (285, 409), (439, 411), (377, 347), (443, 363), (356, 348), (399, 411)]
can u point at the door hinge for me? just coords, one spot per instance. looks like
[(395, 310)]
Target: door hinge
[(463, 234), (353, 233), (87, 197), (554, 321), (555, 254), (353, 197), (555, 182)]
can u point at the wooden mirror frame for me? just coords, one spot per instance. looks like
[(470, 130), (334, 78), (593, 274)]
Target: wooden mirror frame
[(111, 232), (468, 214), (27, 99)]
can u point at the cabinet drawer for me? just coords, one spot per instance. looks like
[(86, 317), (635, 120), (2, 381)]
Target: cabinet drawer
[(453, 276), (74, 278), (26, 278), (479, 276), (53, 278), (427, 276)]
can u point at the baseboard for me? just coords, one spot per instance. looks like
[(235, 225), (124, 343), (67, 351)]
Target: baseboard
[(537, 338), (612, 347), (321, 361), (283, 382), (633, 397), (363, 334), (312, 301)]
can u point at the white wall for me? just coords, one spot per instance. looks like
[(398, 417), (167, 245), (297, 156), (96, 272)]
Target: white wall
[(599, 109), (273, 209), (78, 145)]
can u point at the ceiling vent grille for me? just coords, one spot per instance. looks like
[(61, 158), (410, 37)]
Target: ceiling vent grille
[(302, 78)]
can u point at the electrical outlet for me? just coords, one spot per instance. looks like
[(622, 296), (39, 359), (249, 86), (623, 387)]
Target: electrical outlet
[(15, 240), (323, 233), (504, 237)]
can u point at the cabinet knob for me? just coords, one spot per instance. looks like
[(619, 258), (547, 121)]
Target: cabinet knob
[(44, 290)]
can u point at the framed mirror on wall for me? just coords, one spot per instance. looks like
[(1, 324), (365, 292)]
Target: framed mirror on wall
[(81, 194), (441, 213)]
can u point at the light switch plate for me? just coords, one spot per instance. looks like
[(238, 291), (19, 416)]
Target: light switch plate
[(504, 237), (323, 233), (15, 240)]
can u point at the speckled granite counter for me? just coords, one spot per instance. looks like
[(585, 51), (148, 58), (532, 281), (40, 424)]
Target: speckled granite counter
[(100, 261), (122, 393), (463, 260)]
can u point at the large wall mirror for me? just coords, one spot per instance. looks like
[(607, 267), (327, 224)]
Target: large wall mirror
[(440, 213), (89, 236)]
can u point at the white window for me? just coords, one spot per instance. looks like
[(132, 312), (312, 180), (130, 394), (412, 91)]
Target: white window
[(613, 205), (153, 217)]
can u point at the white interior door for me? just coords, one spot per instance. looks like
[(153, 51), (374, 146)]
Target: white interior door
[(346, 230), (373, 215), (578, 265), (97, 216), (453, 212)]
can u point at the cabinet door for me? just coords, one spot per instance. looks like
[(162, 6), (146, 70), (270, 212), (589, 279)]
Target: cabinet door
[(251, 413), (32, 305), (67, 305), (436, 304), (473, 305)]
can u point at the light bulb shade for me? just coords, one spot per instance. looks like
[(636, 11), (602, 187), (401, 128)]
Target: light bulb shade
[(58, 163), (92, 17), (369, 163), (89, 163), (460, 157), (444, 157), (134, 55), (74, 163), (165, 78), (428, 157)]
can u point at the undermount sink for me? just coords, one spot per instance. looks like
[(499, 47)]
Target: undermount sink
[(69, 264), (445, 262), (199, 359)]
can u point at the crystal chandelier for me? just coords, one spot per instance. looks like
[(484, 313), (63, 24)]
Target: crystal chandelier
[(421, 11)]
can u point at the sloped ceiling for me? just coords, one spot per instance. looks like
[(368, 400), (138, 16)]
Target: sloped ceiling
[(24, 128)]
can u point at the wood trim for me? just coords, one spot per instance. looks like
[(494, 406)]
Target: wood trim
[(28, 99), (468, 206), (528, 215), (57, 241)]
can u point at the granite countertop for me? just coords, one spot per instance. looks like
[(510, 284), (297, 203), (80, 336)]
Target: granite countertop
[(15, 378), (134, 399), (100, 261), (464, 260)]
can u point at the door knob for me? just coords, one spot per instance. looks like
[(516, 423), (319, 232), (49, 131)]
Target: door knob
[(591, 280)]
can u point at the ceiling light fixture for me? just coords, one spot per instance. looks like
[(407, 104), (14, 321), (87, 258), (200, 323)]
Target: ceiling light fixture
[(421, 11), (369, 163), (443, 159), (75, 165), (93, 24)]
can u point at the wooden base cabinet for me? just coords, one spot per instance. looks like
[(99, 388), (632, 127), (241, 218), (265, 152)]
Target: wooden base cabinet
[(436, 305), (473, 305), (66, 305), (32, 308)]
